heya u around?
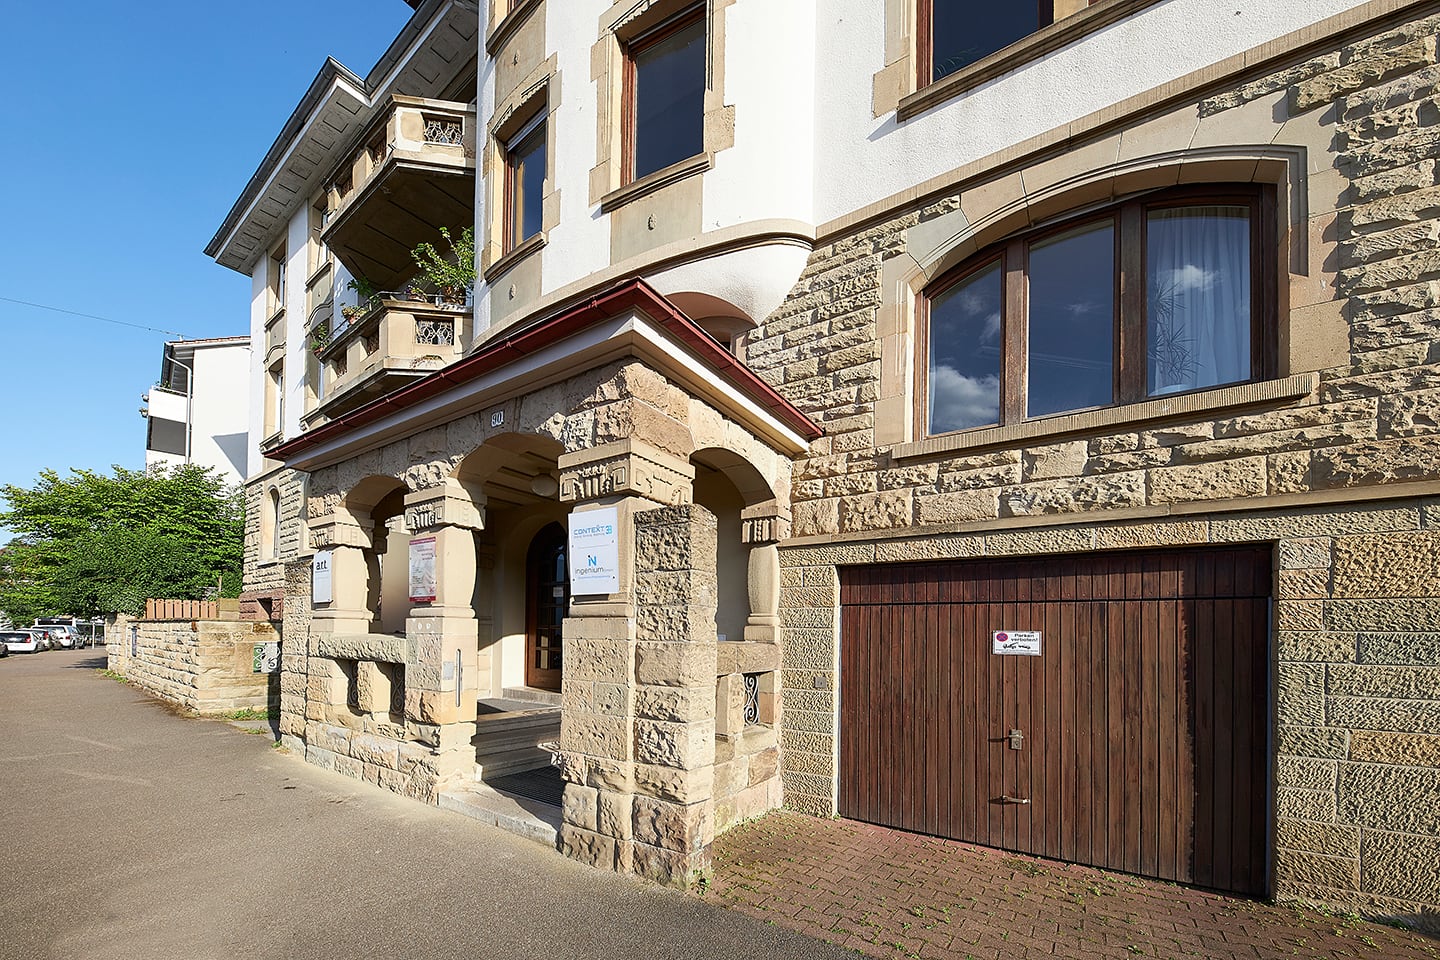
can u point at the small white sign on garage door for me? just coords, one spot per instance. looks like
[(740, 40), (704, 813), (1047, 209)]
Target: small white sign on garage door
[(1016, 643)]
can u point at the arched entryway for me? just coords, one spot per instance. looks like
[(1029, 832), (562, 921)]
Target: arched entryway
[(547, 599)]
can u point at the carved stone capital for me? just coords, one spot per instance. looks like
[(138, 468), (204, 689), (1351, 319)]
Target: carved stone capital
[(767, 522), (625, 468), (448, 505), (339, 530)]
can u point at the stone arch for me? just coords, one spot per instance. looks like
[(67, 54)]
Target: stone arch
[(729, 486), (378, 502), (718, 317)]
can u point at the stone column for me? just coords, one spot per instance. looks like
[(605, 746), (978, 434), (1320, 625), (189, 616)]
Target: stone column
[(636, 752), (347, 539), (764, 526), (441, 674)]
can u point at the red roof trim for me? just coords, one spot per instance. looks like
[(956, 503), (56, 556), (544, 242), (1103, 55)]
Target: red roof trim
[(632, 294)]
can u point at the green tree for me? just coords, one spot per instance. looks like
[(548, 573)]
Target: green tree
[(92, 544)]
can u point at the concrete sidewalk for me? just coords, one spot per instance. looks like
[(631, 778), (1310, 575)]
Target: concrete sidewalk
[(131, 833), (894, 894)]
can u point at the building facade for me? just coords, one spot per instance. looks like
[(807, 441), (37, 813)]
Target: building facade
[(1003, 432), (196, 412)]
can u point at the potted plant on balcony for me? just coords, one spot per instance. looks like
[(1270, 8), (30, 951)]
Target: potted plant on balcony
[(452, 275), (320, 337), (367, 294)]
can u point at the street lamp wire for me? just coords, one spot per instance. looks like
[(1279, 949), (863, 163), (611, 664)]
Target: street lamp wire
[(91, 316)]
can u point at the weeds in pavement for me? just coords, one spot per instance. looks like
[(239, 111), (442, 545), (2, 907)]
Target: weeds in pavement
[(112, 675)]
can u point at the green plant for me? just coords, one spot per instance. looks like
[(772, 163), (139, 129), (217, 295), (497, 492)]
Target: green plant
[(364, 288), (320, 336), (245, 713), (454, 274)]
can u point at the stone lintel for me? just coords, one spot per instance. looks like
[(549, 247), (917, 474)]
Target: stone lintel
[(626, 467)]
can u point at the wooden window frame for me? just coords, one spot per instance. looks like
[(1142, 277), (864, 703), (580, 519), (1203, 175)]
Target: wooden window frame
[(925, 38), (1130, 356), (635, 47), (540, 122)]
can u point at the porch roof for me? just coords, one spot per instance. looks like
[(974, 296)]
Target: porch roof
[(546, 333)]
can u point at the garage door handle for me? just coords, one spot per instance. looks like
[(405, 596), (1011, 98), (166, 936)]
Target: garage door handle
[(1008, 799)]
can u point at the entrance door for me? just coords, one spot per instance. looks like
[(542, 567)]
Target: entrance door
[(547, 591), (1135, 740)]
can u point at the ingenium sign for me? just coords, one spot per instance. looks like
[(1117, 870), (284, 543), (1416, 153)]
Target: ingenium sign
[(594, 554)]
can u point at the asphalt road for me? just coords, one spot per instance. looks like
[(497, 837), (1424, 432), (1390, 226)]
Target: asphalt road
[(127, 831)]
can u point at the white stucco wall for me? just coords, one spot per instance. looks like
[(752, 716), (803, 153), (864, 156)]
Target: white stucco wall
[(860, 159)]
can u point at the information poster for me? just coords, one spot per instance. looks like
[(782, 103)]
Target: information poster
[(595, 551), (422, 570), (321, 584)]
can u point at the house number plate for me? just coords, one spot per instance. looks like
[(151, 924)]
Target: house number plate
[(1016, 643)]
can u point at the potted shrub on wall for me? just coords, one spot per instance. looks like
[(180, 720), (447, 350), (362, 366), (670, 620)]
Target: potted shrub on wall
[(452, 276)]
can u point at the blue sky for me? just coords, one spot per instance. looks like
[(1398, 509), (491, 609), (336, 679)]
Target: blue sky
[(129, 130)]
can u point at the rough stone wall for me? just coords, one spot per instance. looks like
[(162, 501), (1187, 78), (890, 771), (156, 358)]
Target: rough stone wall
[(638, 729), (265, 574), (1357, 622), (203, 665)]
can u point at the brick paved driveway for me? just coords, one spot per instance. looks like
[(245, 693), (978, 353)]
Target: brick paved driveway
[(893, 894)]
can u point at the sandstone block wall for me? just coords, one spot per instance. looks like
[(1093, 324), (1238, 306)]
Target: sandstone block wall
[(204, 665), (1340, 478)]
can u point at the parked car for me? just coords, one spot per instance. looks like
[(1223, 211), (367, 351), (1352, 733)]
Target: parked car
[(24, 641), (62, 631), (4, 649)]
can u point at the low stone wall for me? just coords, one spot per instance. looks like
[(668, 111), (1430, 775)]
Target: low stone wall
[(204, 665)]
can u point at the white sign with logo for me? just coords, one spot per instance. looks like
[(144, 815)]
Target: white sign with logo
[(595, 551), (1016, 643), (321, 584), (422, 570)]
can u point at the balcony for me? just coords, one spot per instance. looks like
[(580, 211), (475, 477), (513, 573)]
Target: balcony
[(413, 173), (383, 345)]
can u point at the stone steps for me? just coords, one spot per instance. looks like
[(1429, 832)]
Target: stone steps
[(526, 818), (508, 743)]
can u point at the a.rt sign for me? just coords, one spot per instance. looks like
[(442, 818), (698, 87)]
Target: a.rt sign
[(1016, 643)]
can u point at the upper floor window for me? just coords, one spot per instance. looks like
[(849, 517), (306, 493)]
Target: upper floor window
[(1159, 295), (665, 95), (525, 183), (276, 278), (956, 33)]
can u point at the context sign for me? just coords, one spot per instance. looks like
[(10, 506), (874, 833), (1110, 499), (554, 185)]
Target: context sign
[(321, 578), (595, 551), (1016, 643)]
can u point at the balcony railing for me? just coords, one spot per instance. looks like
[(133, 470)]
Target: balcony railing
[(376, 347)]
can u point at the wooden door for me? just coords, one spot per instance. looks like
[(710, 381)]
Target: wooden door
[(1142, 724), (547, 594)]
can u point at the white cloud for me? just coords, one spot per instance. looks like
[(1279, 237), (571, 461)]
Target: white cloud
[(958, 401), (1187, 279)]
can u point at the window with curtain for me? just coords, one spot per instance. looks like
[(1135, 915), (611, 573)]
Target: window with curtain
[(1152, 297)]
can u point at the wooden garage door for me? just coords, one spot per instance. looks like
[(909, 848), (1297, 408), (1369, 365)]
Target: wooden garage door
[(1142, 723)]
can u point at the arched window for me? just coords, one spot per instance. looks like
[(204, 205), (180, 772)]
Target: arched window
[(272, 523), (1168, 293)]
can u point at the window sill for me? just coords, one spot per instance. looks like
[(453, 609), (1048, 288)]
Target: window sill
[(507, 261), (273, 440), (1019, 53), (654, 181), (1092, 421), (318, 273), (275, 317)]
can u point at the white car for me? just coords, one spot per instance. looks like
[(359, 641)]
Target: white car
[(23, 641)]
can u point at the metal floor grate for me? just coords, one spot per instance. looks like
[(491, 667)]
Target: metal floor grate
[(544, 785)]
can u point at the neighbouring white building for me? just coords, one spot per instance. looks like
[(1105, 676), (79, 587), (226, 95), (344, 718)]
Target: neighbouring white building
[(199, 410), (1010, 422)]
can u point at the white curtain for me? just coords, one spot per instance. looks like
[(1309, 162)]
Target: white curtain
[(1198, 297)]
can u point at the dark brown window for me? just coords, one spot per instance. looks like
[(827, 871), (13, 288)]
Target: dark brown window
[(665, 95), (956, 33), (525, 160), (1164, 294)]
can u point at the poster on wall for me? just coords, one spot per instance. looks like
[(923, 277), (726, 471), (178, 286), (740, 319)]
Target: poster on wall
[(595, 551), (321, 589), (422, 570)]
